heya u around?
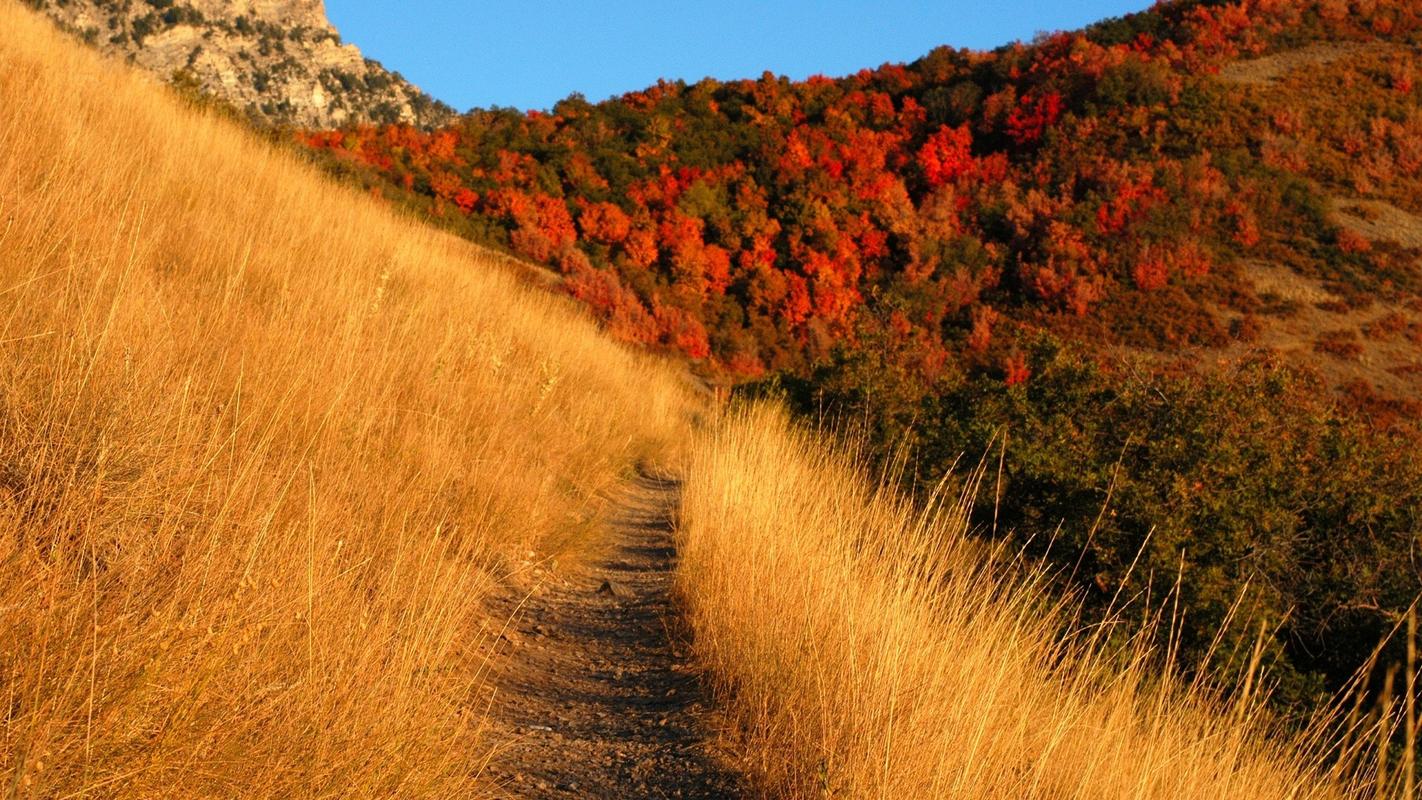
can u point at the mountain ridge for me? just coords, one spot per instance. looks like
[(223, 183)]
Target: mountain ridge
[(281, 62)]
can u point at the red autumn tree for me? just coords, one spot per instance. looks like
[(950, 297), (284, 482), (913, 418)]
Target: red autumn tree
[(605, 223), (946, 155), (1032, 116)]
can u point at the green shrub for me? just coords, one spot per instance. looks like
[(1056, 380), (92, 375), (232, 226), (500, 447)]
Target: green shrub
[(1267, 500)]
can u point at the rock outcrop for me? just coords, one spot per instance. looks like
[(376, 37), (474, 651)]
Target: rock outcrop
[(279, 61)]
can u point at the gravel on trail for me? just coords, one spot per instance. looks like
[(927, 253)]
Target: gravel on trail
[(594, 690)]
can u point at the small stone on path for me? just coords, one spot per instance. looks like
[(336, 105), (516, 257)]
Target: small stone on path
[(614, 590)]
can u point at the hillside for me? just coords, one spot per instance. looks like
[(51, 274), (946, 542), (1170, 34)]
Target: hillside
[(1167, 254), (1177, 178), (266, 449), (278, 61), (866, 647), (302, 498)]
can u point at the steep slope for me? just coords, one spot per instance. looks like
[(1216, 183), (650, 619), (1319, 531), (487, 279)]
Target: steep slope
[(1174, 255), (264, 449), (866, 647), (279, 61), (1135, 184), (267, 449)]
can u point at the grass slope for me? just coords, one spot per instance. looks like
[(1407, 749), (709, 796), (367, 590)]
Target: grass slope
[(868, 648), (263, 444)]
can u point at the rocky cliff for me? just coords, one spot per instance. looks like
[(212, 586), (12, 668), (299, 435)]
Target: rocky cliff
[(280, 61)]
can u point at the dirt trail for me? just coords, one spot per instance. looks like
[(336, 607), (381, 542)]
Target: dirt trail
[(595, 692)]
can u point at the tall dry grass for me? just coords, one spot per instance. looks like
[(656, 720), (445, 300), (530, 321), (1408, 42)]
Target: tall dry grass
[(263, 445), (869, 649)]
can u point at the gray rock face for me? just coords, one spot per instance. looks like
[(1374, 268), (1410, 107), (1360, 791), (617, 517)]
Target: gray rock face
[(280, 61)]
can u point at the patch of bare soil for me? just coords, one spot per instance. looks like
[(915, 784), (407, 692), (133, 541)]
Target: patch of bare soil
[(1270, 68), (1370, 344), (1378, 221), (1281, 282), (595, 689)]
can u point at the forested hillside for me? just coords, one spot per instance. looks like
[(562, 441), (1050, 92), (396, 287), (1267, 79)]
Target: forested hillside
[(1118, 184), (1167, 264)]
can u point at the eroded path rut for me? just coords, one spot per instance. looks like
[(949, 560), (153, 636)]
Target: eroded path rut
[(596, 694)]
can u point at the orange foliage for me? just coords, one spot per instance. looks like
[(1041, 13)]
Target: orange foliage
[(946, 155), (797, 216)]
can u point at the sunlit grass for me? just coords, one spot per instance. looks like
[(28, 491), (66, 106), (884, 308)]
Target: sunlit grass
[(867, 648), (263, 446)]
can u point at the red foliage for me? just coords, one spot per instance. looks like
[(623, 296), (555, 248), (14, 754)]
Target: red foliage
[(1032, 116), (445, 185), (1352, 242), (1246, 226), (794, 217), (981, 335), (509, 204), (946, 155), (677, 231), (466, 199), (717, 268), (606, 223), (1403, 79), (532, 244), (677, 328), (618, 307), (555, 221), (1132, 198), (1149, 273), (1191, 259), (1015, 371), (641, 248), (745, 365), (795, 306)]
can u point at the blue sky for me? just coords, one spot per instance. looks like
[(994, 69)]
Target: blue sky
[(531, 54)]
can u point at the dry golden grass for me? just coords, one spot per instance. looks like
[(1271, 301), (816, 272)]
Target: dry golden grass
[(870, 650), (262, 446)]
